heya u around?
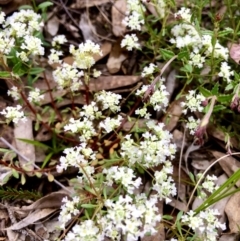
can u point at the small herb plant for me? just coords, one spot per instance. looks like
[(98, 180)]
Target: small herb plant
[(112, 162)]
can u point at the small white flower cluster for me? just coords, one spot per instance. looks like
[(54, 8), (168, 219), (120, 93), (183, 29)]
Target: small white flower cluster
[(14, 93), (108, 100), (22, 24), (109, 124), (59, 40), (164, 183), (35, 96), (207, 186), (130, 41), (87, 230), (158, 100), (148, 70), (78, 157), (192, 124), (124, 176), (225, 72), (193, 102), (54, 56), (186, 35), (13, 114), (91, 111), (205, 224), (154, 149), (130, 217), (68, 209), (134, 20), (83, 55), (67, 76)]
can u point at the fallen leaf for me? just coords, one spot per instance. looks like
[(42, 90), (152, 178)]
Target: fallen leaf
[(232, 211), (52, 200), (32, 218), (24, 130), (88, 3), (118, 10), (52, 25)]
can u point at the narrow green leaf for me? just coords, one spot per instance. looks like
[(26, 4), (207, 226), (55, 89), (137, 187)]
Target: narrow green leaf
[(44, 5), (35, 143), (89, 205), (15, 173), (4, 74), (215, 89), (23, 179), (35, 71), (224, 98), (205, 92), (166, 54), (183, 54), (46, 159), (218, 108)]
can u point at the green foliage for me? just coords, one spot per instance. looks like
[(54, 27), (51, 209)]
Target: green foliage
[(9, 193)]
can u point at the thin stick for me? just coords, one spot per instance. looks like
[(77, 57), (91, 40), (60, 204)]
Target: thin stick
[(26, 159)]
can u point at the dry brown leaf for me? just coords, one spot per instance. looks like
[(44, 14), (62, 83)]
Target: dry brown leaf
[(229, 237), (200, 164), (118, 10), (235, 52), (32, 218), (117, 56), (53, 200), (112, 82), (88, 3), (24, 130), (52, 25), (178, 205), (233, 212), (87, 28), (229, 164), (173, 114), (218, 134)]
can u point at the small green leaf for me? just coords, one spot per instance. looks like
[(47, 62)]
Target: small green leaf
[(89, 205), (15, 173), (35, 143), (166, 54), (4, 74), (35, 71), (205, 92), (44, 5), (23, 179), (224, 98), (25, 7), (46, 159), (229, 87), (183, 54), (225, 32), (187, 68), (215, 89), (218, 108)]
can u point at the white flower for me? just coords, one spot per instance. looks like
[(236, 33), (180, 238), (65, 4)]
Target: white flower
[(54, 56), (109, 100), (148, 70), (68, 209), (68, 76), (184, 13), (130, 42), (13, 114), (226, 71), (83, 56), (32, 45), (91, 111), (193, 102), (123, 175), (96, 73), (192, 124), (14, 93), (109, 124), (2, 17), (58, 40), (196, 60), (134, 21), (35, 96)]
